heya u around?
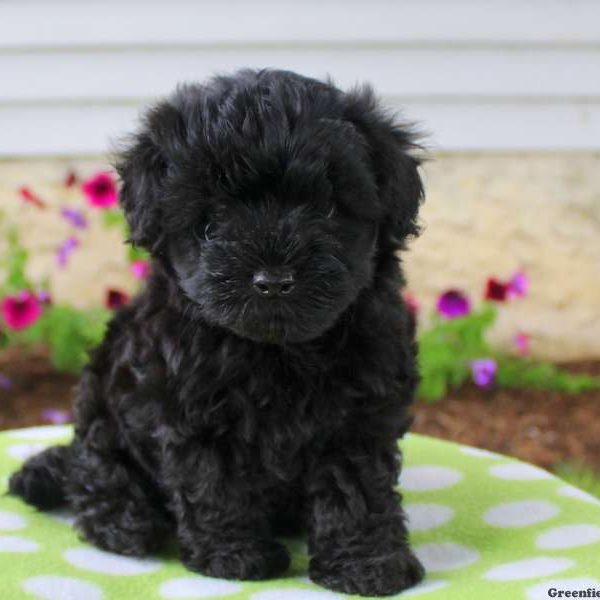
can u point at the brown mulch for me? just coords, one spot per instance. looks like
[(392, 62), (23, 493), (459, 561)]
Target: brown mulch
[(545, 428)]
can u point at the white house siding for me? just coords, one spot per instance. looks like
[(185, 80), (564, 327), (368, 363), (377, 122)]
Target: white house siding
[(478, 75)]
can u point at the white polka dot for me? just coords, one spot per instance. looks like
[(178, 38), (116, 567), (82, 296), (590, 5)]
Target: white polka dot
[(25, 451), (428, 477), (540, 590), (519, 472), (568, 536), (574, 492), (49, 432), (92, 559), (295, 594), (17, 544), (481, 453), (198, 587), (11, 521), (53, 587), (427, 516), (520, 514), (424, 588), (63, 515), (528, 569), (446, 556)]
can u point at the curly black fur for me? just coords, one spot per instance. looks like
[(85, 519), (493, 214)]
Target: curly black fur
[(230, 417)]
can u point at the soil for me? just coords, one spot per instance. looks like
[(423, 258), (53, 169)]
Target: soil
[(541, 427)]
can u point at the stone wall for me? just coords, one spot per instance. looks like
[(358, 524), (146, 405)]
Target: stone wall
[(485, 214)]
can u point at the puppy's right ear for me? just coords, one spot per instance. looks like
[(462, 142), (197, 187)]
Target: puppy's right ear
[(143, 168)]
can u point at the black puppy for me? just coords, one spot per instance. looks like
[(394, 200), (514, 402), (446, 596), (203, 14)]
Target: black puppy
[(259, 383)]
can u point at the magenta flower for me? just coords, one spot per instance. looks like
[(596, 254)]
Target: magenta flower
[(56, 416), (65, 250), (75, 217), (100, 190), (21, 310), (521, 341), (483, 371), (453, 304), (140, 269), (5, 382), (518, 286)]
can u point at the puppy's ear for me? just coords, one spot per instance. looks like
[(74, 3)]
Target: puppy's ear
[(391, 148), (143, 168)]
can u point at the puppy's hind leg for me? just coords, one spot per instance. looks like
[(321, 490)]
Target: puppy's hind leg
[(117, 508)]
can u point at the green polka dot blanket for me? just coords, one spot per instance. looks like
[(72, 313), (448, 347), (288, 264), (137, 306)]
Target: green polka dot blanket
[(485, 526)]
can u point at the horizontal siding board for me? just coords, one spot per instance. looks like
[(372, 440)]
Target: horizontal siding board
[(93, 23), (92, 129), (418, 72)]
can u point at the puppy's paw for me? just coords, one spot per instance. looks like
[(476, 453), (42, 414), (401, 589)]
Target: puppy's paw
[(239, 559), (367, 575)]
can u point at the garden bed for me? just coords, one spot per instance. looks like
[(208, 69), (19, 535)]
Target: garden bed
[(546, 428)]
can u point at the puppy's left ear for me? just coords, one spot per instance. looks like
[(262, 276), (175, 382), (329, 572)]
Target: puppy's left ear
[(396, 168), (143, 168)]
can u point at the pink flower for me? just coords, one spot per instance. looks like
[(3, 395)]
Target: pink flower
[(30, 198), (140, 269), (56, 416), (100, 190), (521, 341), (453, 304), (496, 290), (115, 299), (65, 250), (518, 286), (483, 371), (412, 303), (74, 217), (70, 179), (21, 310)]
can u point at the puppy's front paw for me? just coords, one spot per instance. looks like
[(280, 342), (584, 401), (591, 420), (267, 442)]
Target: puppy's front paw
[(370, 575), (239, 559)]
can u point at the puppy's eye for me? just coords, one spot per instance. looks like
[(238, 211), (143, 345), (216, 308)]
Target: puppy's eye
[(209, 232), (204, 233)]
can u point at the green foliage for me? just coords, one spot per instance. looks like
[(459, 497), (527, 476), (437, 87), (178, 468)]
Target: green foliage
[(14, 263), (581, 476), (448, 347), (68, 333), (528, 374)]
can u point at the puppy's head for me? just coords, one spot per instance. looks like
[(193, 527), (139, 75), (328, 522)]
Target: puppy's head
[(271, 198)]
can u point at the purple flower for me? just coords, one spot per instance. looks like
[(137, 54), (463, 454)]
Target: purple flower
[(518, 286), (56, 416), (5, 382), (44, 297), (65, 250), (453, 304), (74, 217), (484, 371)]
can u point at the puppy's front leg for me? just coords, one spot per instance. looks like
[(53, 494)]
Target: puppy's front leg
[(221, 527), (358, 539)]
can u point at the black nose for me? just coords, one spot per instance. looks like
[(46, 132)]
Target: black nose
[(272, 283)]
